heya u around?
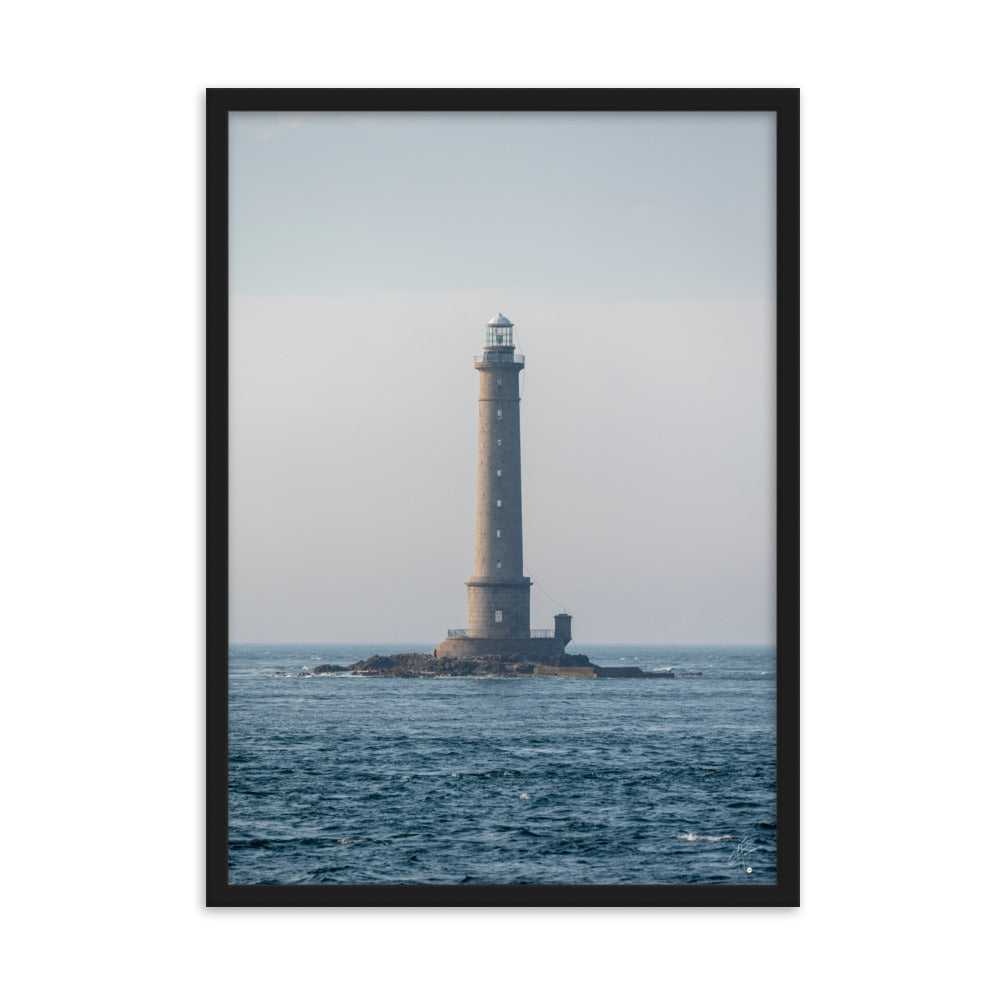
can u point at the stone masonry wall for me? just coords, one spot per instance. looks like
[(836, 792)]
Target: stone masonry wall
[(542, 649), (498, 583)]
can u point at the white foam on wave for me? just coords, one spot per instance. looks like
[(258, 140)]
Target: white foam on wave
[(524, 795), (692, 837)]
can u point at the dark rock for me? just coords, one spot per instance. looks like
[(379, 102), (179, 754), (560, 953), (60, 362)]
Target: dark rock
[(631, 672), (330, 668), (424, 665)]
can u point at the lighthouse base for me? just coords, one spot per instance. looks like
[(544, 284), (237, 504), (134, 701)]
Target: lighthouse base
[(532, 650)]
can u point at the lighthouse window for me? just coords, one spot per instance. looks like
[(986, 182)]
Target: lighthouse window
[(498, 472), (499, 381), (498, 616), (498, 532), (499, 503), (499, 413), (499, 442), (499, 564)]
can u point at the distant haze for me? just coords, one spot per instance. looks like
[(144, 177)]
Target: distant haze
[(635, 255)]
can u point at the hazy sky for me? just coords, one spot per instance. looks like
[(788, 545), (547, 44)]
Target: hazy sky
[(635, 255)]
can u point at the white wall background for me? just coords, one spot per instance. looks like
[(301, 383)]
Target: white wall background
[(102, 383)]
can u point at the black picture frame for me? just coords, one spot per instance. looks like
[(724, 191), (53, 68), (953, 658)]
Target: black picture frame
[(784, 102)]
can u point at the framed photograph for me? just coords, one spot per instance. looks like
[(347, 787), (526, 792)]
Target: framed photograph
[(502, 513)]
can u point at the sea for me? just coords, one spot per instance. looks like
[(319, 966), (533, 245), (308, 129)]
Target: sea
[(553, 780)]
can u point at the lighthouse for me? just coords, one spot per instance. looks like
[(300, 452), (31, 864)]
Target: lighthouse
[(499, 594)]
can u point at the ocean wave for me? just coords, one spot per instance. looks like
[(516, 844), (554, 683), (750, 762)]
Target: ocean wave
[(692, 837)]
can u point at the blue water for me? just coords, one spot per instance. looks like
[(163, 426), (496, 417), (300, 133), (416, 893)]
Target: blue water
[(494, 780)]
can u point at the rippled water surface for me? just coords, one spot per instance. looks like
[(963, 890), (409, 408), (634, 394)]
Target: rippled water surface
[(458, 780)]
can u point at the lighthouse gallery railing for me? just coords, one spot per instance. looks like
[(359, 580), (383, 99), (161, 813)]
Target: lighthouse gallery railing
[(536, 633), (499, 357)]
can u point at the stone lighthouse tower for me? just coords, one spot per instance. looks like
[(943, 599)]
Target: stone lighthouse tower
[(498, 591)]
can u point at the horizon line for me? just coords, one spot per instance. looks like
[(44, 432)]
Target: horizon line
[(437, 642)]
